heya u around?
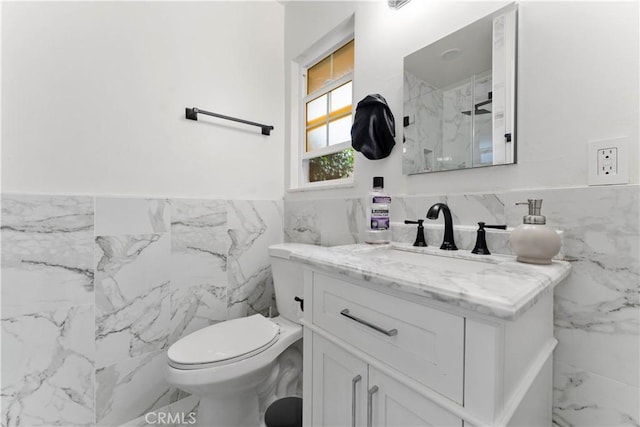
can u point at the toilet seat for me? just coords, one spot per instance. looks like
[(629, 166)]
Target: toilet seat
[(224, 343)]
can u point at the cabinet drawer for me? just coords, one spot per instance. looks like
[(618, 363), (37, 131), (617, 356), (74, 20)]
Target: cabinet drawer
[(427, 345)]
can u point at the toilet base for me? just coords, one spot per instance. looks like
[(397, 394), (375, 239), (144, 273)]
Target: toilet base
[(235, 410)]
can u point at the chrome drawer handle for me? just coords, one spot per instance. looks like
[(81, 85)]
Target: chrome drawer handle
[(373, 390), (354, 381), (389, 333)]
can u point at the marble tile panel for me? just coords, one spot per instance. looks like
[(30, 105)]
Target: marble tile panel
[(342, 221), (253, 227), (414, 87), (403, 233), (129, 215), (456, 128), (469, 209), (403, 208), (195, 308), (47, 366), (582, 398), (466, 209), (498, 242), (302, 221), (182, 413), (597, 308), (131, 388), (411, 160), (187, 410), (423, 137), (256, 294), (200, 242), (596, 321), (133, 296), (421, 205), (47, 250)]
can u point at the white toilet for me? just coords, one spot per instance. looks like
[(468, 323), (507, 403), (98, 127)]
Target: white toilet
[(225, 364)]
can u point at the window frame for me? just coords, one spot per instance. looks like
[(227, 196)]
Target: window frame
[(329, 149), (299, 181)]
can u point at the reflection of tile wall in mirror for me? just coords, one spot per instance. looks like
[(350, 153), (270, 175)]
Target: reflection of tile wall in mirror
[(449, 98)]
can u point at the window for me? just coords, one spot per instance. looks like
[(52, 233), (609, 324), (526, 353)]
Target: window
[(326, 152)]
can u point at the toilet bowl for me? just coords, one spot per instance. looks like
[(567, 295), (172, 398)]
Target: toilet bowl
[(226, 363)]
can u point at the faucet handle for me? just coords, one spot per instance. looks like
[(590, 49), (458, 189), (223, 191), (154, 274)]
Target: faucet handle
[(481, 241), (420, 240), (497, 227)]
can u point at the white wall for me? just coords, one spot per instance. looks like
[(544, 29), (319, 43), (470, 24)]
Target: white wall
[(93, 98), (577, 82)]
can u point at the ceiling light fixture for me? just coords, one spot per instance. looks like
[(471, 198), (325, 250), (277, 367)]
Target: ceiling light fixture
[(397, 4), (451, 54)]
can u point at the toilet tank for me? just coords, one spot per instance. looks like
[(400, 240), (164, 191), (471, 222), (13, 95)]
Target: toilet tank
[(287, 280)]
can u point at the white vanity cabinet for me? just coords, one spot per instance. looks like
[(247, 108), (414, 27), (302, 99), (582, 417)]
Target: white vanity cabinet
[(376, 356), (339, 387), (348, 392)]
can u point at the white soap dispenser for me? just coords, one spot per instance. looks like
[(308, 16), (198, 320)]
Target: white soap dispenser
[(534, 242)]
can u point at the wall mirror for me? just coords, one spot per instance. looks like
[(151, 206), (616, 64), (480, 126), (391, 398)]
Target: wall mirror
[(460, 97)]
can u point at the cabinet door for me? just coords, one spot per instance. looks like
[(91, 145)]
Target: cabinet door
[(339, 384), (393, 404)]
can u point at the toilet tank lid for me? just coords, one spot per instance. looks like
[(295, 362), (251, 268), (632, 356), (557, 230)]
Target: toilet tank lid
[(284, 250)]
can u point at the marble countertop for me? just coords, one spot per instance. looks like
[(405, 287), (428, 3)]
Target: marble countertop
[(504, 289)]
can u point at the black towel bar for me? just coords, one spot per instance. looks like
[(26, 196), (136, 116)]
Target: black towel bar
[(192, 114)]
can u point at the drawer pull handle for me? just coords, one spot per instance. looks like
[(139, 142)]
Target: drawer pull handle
[(354, 381), (373, 390), (389, 333)]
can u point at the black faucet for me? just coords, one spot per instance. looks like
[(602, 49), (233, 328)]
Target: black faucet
[(447, 243)]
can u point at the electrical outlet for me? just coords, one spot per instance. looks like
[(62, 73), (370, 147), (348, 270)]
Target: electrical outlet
[(608, 162)]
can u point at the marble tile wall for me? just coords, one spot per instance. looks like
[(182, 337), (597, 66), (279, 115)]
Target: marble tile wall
[(133, 295), (597, 309), (456, 127), (94, 290), (48, 306), (423, 136)]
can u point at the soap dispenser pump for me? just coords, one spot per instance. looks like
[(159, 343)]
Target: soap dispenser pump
[(534, 242)]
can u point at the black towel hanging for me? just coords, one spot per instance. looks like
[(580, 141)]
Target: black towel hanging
[(373, 129)]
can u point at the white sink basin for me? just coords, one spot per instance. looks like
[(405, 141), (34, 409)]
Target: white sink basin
[(435, 262)]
